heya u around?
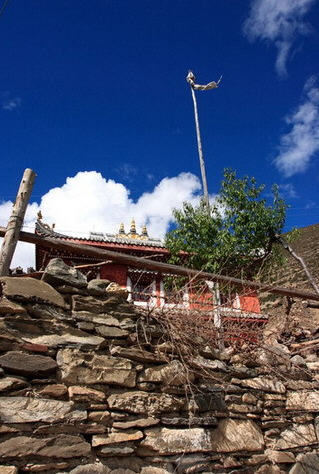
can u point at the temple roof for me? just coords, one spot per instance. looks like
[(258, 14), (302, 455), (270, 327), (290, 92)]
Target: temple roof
[(136, 240)]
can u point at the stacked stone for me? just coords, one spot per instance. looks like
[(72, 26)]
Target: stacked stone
[(89, 384)]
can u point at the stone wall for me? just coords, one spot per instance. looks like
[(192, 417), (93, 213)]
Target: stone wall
[(90, 384)]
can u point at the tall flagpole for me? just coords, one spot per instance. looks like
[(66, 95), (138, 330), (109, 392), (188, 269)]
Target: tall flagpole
[(211, 85)]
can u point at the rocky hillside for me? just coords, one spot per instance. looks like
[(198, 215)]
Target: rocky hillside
[(306, 245), (91, 385)]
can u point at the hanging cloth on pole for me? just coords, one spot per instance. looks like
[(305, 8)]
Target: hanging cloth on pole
[(211, 85)]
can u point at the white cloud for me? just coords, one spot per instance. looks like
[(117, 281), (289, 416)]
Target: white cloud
[(11, 104), (278, 22), (89, 202), (288, 190), (301, 143)]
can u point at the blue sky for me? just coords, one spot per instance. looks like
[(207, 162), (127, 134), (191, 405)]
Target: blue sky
[(100, 87)]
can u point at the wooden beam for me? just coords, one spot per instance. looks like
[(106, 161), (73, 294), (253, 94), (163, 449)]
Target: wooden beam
[(161, 267), (15, 222)]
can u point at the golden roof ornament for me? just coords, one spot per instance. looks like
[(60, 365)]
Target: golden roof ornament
[(144, 232), (39, 215), (133, 227), (132, 234)]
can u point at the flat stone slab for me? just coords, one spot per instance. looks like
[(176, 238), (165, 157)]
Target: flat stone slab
[(265, 384), (229, 436), (96, 305), (303, 401), (60, 446), (30, 289), (56, 340), (117, 437), (10, 307), (92, 469), (138, 355), (22, 363), (104, 319), (145, 403), (111, 332), (98, 287), (11, 383), (8, 470), (296, 435), (85, 394), (306, 464), (78, 367), (32, 410), (173, 373)]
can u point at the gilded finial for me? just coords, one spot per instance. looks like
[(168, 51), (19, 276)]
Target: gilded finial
[(39, 215), (121, 229), (144, 231), (133, 227)]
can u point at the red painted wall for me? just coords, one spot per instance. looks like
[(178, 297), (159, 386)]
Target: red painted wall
[(250, 302), (116, 273)]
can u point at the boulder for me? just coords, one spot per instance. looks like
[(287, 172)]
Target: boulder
[(145, 403), (60, 446), (30, 290), (32, 410), (30, 365), (79, 367), (58, 273), (230, 435)]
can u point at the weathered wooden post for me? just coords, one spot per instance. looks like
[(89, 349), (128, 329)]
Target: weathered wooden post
[(16, 220), (211, 85)]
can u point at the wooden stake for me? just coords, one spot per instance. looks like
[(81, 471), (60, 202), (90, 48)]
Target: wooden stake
[(15, 222)]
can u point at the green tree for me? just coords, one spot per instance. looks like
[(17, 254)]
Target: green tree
[(239, 236)]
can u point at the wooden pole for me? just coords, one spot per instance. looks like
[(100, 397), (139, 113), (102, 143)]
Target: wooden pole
[(200, 153), (15, 222), (140, 262)]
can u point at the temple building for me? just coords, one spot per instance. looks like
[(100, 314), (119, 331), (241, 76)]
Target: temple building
[(145, 287)]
